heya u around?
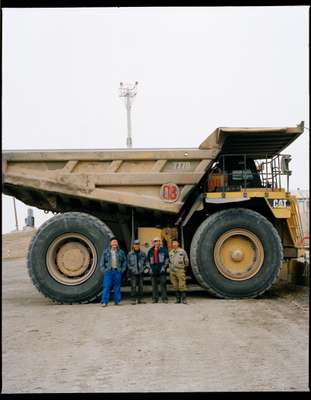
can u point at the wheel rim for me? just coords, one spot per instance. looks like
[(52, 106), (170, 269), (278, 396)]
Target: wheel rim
[(71, 259), (238, 254)]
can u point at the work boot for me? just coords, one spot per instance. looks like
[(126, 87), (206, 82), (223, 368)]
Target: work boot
[(177, 297), (183, 298)]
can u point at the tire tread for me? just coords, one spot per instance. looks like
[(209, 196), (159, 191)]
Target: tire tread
[(96, 222), (215, 218)]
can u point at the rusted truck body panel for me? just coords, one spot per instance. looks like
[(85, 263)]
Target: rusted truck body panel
[(125, 177)]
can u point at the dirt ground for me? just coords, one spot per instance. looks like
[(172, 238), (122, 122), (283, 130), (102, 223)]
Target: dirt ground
[(208, 345)]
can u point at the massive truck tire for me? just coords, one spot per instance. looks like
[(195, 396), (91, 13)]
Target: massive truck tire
[(236, 253), (63, 257)]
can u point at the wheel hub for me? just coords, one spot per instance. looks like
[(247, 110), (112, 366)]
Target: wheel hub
[(238, 254), (73, 259)]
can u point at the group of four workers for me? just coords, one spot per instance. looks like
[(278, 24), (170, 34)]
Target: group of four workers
[(114, 262)]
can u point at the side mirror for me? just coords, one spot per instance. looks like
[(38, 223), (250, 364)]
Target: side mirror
[(285, 160)]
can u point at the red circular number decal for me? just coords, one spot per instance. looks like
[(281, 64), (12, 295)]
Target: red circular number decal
[(169, 192)]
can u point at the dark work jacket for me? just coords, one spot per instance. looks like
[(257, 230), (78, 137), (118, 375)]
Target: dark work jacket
[(163, 258), (106, 260), (135, 268)]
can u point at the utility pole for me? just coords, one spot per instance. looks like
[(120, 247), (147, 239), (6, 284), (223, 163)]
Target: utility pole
[(15, 213), (128, 92)]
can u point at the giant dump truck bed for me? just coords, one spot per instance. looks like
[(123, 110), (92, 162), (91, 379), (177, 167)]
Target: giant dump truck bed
[(54, 179), (127, 177)]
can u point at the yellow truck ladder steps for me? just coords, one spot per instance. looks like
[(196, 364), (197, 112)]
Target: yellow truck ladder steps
[(294, 223)]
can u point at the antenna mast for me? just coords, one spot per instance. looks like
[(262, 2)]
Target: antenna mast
[(128, 92)]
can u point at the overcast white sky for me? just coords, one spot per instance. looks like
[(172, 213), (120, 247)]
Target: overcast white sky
[(198, 69)]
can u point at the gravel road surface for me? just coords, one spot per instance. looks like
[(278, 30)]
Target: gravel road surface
[(208, 345)]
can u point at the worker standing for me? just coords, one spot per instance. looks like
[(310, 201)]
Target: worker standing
[(136, 262), (112, 264), (157, 261), (178, 262)]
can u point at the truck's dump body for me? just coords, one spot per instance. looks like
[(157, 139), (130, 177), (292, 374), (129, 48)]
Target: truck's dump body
[(131, 177), (128, 177)]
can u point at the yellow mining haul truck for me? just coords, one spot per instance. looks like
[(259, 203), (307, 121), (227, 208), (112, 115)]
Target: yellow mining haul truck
[(225, 201)]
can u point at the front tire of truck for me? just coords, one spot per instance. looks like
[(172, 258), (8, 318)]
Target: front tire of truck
[(63, 257), (236, 253)]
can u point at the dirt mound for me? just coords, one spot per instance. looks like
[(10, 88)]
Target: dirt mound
[(15, 244)]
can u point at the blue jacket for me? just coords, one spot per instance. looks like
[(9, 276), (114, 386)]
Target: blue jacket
[(163, 257), (135, 267), (105, 261)]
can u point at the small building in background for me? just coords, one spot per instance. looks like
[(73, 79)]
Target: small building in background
[(29, 220)]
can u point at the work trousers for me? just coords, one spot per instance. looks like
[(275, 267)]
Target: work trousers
[(111, 278), (136, 286), (156, 281), (178, 280)]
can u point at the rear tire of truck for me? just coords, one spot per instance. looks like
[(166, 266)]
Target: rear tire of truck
[(63, 257), (236, 253)]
